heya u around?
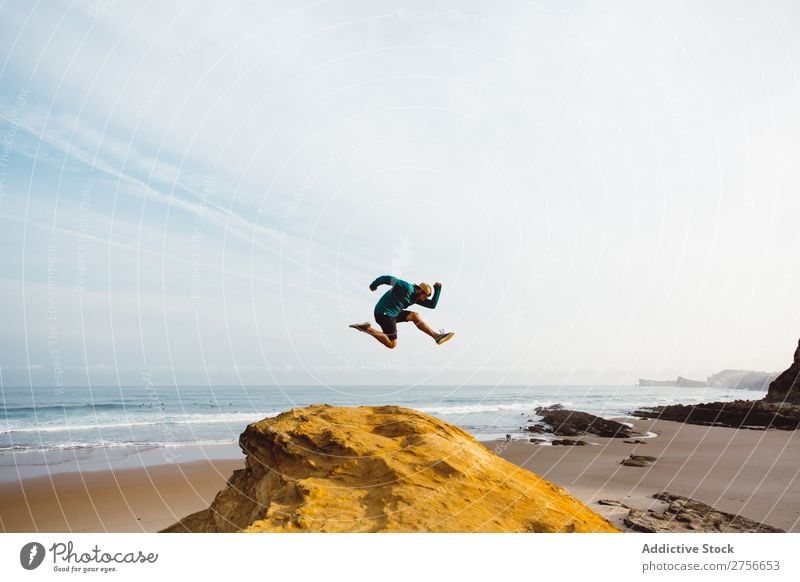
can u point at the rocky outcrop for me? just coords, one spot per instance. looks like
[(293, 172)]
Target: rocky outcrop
[(373, 469), (754, 414), (564, 422), (684, 515), (786, 387)]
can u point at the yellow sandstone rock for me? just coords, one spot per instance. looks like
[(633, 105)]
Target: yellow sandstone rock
[(381, 469)]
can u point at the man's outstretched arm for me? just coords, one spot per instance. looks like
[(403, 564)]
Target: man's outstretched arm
[(431, 303), (383, 280)]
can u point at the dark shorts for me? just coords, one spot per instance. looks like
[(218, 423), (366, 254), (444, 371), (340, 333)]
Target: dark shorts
[(389, 324)]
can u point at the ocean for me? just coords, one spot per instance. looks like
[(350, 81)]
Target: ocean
[(79, 418)]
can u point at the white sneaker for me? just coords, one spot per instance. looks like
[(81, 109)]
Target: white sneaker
[(444, 336)]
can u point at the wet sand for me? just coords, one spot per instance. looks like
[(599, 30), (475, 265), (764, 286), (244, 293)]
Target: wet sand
[(128, 500)]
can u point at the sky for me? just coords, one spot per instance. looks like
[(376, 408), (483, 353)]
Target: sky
[(201, 193)]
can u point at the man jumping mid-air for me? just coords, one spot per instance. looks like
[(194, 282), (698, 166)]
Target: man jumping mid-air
[(391, 309)]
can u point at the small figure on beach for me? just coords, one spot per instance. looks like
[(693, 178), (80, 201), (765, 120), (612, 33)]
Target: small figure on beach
[(391, 310)]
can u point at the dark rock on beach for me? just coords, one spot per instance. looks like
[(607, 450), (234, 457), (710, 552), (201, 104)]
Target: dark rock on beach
[(568, 442), (638, 461), (573, 423), (685, 515), (612, 502), (537, 428), (755, 414), (786, 387)]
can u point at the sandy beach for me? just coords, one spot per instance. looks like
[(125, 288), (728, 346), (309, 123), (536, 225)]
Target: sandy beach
[(128, 500), (753, 473)]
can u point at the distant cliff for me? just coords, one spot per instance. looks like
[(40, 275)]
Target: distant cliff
[(649, 382), (736, 379), (374, 469), (744, 379), (679, 381)]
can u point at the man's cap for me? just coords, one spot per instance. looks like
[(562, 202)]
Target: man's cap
[(426, 288)]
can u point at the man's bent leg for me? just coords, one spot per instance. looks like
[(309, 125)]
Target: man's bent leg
[(388, 334), (415, 318), (382, 337)]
